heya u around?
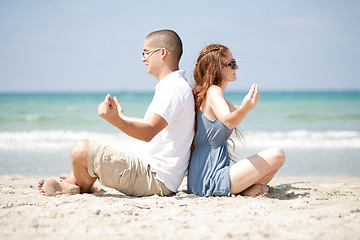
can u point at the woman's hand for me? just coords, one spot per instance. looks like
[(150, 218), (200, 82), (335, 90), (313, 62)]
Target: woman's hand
[(251, 99), (227, 113)]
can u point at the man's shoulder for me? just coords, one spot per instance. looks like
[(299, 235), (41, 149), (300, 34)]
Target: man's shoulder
[(173, 78), (175, 82)]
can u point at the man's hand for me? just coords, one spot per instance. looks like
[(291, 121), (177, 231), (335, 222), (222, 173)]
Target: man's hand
[(119, 107), (109, 110)]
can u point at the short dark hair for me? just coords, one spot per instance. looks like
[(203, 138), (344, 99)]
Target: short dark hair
[(168, 39)]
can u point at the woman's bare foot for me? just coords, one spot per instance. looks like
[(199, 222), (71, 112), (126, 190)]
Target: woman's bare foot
[(63, 176), (256, 190), (94, 189), (51, 187)]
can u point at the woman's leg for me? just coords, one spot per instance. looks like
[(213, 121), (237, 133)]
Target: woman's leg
[(255, 170)]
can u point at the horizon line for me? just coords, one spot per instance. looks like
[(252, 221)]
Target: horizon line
[(152, 91)]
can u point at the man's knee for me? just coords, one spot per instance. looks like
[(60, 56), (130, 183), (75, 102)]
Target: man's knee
[(79, 152)]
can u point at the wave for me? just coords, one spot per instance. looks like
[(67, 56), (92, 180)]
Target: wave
[(38, 119), (49, 140), (314, 117), (303, 139)]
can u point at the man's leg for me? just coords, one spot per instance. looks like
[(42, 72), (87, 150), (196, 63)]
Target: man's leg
[(78, 180), (79, 174)]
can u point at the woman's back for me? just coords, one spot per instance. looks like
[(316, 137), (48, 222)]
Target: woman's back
[(209, 166), (209, 170)]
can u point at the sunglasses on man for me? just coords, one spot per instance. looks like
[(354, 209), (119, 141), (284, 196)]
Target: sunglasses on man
[(144, 54)]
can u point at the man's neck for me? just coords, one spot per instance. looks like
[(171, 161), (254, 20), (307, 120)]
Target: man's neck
[(166, 71)]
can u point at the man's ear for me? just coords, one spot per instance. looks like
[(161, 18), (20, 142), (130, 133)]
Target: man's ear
[(164, 53)]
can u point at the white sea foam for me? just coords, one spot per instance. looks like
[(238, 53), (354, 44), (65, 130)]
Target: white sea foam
[(302, 139), (43, 140), (48, 140), (32, 117)]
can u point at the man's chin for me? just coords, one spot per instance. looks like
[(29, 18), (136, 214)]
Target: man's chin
[(148, 71)]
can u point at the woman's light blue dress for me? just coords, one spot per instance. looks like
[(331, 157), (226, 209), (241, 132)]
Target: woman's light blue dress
[(209, 168)]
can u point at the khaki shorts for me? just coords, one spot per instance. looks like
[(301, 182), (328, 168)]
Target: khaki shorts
[(123, 171)]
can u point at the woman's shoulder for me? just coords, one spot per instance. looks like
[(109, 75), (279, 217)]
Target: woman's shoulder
[(215, 92), (214, 89)]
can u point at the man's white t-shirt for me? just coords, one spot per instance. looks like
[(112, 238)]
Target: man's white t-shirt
[(168, 152)]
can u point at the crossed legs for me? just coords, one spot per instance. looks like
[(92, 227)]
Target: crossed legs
[(77, 181), (250, 176)]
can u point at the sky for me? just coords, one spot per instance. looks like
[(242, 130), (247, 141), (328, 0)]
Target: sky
[(95, 46)]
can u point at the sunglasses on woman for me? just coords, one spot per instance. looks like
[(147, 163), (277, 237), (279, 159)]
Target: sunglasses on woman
[(231, 64)]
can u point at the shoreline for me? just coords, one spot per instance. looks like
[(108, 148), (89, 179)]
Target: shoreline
[(295, 208)]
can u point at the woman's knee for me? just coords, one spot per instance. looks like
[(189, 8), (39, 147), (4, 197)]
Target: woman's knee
[(79, 151), (279, 156)]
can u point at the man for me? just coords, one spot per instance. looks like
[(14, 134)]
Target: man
[(167, 129)]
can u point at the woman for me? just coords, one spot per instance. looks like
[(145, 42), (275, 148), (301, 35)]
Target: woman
[(210, 173)]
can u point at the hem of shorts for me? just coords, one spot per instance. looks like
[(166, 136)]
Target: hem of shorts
[(90, 159), (159, 179), (229, 179), (222, 194), (164, 192)]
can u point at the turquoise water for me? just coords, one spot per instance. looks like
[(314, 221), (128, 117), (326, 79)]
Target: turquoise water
[(276, 111), (304, 110), (37, 130), (75, 111)]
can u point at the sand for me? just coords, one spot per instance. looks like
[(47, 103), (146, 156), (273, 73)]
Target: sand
[(295, 208)]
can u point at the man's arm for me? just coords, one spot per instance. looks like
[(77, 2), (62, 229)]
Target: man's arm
[(145, 131), (122, 115)]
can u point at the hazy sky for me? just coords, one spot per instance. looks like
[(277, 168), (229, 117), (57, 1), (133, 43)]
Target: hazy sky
[(96, 45)]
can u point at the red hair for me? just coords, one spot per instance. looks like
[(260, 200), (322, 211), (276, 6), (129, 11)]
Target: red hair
[(207, 71)]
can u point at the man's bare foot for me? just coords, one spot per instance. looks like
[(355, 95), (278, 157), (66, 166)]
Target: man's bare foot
[(41, 183), (256, 190), (51, 187), (68, 183)]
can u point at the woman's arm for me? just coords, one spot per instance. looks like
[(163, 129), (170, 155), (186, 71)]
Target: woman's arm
[(231, 106), (228, 114)]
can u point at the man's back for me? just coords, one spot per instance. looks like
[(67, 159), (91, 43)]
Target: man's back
[(169, 151), (167, 129)]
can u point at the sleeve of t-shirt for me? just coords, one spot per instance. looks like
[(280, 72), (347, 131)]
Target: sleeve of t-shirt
[(167, 103)]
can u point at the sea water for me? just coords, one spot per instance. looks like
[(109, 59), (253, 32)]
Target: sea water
[(319, 131)]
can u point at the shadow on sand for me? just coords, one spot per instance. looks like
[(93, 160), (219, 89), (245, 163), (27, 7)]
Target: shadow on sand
[(288, 191), (285, 191)]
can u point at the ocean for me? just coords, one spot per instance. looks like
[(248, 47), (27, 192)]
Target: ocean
[(319, 131)]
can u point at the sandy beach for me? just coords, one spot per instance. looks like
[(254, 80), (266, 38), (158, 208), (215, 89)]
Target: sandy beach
[(295, 208)]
